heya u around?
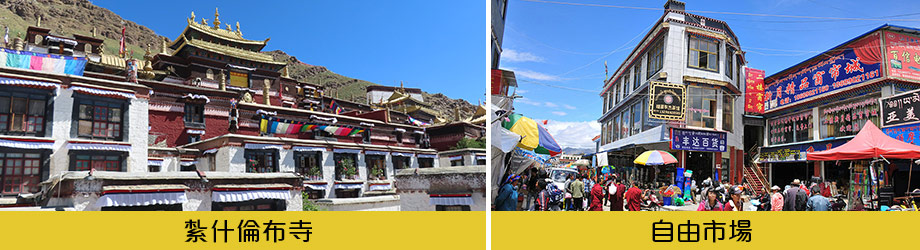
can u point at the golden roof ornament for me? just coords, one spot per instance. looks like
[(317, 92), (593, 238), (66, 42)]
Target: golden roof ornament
[(163, 45), (216, 19), (192, 19), (204, 21), (228, 27), (238, 32)]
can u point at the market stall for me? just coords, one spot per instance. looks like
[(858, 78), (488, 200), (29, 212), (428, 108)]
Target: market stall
[(869, 147)]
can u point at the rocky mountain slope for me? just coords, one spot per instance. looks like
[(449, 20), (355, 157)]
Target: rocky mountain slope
[(66, 17)]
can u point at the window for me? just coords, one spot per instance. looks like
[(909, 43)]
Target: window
[(655, 59), (22, 113), (153, 168), (451, 208), (729, 61), (605, 103), (728, 103), (425, 162), (98, 160), (791, 128), (309, 164), (616, 93), (401, 162), (624, 124), (625, 88), (98, 119), (194, 115), (457, 162), (261, 160), (637, 69), (376, 170), (346, 167), (703, 53), (194, 138), (188, 167), (399, 137), (637, 118), (847, 118), (702, 107), (615, 134), (20, 172), (480, 160), (366, 136), (610, 98)]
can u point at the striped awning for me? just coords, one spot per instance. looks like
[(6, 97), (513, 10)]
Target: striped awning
[(302, 148), (456, 157), (401, 154), (142, 195), (348, 185), (427, 156), (187, 163), (315, 186), (26, 144), (98, 146), (371, 152), (263, 146), (155, 163), (450, 199), (103, 93), (480, 157), (346, 151), (248, 195), (28, 83)]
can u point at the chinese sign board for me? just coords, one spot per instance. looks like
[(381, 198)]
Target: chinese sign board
[(667, 101), (797, 152), (698, 140), (903, 53), (753, 94), (856, 63), (909, 133), (900, 109)]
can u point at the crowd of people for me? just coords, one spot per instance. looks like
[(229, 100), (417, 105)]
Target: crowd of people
[(532, 191)]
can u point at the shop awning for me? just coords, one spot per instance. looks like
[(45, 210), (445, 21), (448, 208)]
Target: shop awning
[(238, 193), (653, 135), (98, 146), (27, 83), (142, 195), (869, 143), (450, 199), (348, 185), (103, 93), (315, 186)]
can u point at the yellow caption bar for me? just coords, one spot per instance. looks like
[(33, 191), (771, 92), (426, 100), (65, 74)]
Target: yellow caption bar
[(766, 230), (172, 230)]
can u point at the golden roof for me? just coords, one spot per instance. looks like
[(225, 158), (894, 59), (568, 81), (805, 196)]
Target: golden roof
[(227, 50), (111, 61), (234, 36)]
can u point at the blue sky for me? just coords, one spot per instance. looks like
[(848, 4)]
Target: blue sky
[(438, 46), (566, 46)]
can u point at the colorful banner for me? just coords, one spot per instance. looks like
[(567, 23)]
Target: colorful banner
[(698, 140), (856, 63), (43, 62), (909, 133), (272, 125), (903, 53), (667, 101), (417, 122), (753, 94), (900, 109)]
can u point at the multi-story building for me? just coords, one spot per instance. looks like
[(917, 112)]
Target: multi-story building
[(696, 54), (824, 101), (207, 123)]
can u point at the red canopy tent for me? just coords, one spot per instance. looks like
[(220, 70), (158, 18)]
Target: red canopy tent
[(869, 143)]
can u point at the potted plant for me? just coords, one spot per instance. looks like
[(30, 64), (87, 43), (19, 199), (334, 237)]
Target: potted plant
[(314, 173), (377, 173), (349, 171)]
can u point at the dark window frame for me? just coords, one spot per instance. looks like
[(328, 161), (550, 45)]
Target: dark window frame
[(30, 96), (691, 50), (78, 164), (260, 156), (655, 61), (95, 103), (300, 157), (6, 175), (194, 115), (338, 169)]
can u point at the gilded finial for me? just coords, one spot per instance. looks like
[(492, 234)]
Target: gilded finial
[(193, 16), (163, 45), (238, 29), (204, 21), (216, 19)]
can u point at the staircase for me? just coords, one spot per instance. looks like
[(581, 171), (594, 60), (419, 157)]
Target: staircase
[(756, 180)]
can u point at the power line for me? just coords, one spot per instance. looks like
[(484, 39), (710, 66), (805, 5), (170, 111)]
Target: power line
[(647, 29), (725, 12)]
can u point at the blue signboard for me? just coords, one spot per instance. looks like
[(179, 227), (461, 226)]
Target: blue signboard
[(858, 62), (907, 133), (698, 140)]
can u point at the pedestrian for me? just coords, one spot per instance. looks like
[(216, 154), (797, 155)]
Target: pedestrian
[(577, 188), (568, 195), (507, 195), (776, 200), (704, 190), (589, 184), (734, 199), (693, 191), (597, 197), (795, 197), (712, 202), (817, 202), (542, 199), (634, 198), (617, 203)]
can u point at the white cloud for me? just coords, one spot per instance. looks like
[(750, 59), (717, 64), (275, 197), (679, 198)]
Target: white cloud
[(510, 55), (574, 134), (559, 113), (525, 100), (521, 91), (570, 107), (533, 75), (551, 105)]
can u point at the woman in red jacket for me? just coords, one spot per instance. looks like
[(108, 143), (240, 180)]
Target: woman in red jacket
[(712, 203)]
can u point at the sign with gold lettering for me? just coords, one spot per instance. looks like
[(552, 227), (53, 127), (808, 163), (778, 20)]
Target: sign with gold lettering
[(667, 101)]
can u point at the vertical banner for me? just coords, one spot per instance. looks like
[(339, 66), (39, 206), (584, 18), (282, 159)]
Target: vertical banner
[(753, 93), (903, 55)]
